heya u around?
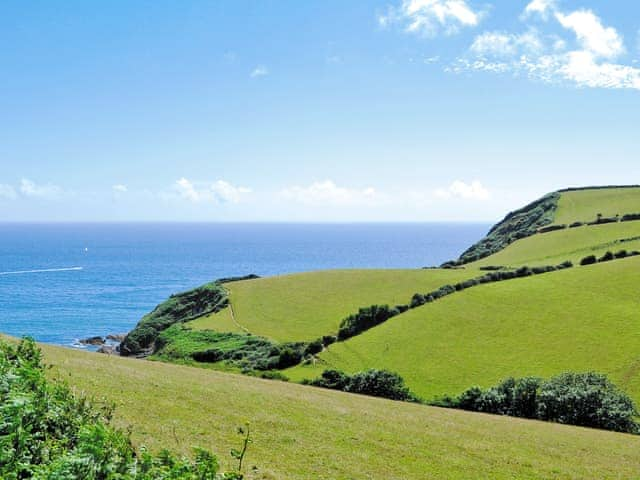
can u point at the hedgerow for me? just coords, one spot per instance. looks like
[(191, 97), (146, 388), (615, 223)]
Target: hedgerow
[(375, 383)]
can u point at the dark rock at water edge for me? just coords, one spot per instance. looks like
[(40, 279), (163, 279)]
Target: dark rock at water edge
[(97, 340)]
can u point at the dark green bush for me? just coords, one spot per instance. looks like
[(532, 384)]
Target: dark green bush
[(586, 399), (363, 320), (376, 383), (589, 260), (606, 257)]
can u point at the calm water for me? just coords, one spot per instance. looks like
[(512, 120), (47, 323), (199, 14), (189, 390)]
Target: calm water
[(59, 283)]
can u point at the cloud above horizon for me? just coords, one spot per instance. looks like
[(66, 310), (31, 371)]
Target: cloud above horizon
[(219, 192), (259, 71), (556, 46), (430, 17), (466, 191), (586, 57), (327, 193), (28, 188)]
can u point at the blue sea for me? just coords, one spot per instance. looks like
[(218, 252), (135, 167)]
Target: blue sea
[(63, 282)]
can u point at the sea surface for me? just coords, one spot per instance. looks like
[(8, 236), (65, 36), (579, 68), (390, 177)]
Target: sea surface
[(63, 282)]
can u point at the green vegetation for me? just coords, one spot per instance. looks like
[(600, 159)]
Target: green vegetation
[(586, 399), (303, 432), (584, 205), (375, 383), (515, 226), (306, 306), (572, 244), (49, 432), (577, 319), (241, 352), (179, 308)]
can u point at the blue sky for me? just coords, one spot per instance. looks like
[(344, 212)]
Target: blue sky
[(407, 110)]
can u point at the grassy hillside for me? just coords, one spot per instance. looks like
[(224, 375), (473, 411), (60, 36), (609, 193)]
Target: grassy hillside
[(585, 318), (304, 432), (305, 306), (584, 205), (568, 244)]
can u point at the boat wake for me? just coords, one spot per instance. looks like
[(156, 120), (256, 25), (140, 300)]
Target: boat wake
[(42, 270)]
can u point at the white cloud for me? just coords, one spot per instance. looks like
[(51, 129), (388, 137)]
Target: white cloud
[(502, 44), (219, 192), (548, 58), (541, 7), (30, 189), (467, 191), (7, 192), (592, 35), (327, 193), (583, 69), (259, 71), (120, 188), (224, 192), (427, 17)]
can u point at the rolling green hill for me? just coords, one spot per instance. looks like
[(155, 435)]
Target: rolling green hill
[(584, 318), (304, 432), (305, 306)]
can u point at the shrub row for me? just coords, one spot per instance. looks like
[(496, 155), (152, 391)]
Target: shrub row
[(494, 276), (49, 432), (552, 228), (591, 259), (366, 318), (630, 217), (375, 383), (585, 399)]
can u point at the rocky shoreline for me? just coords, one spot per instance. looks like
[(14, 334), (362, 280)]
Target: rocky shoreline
[(109, 344)]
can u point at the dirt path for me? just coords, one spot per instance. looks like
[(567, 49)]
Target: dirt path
[(233, 318)]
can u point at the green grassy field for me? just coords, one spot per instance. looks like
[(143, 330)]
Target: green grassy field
[(584, 205), (585, 318), (305, 306), (304, 432), (568, 244)]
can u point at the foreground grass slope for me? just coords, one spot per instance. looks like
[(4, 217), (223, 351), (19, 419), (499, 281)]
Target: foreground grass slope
[(305, 306), (303, 432), (584, 318)]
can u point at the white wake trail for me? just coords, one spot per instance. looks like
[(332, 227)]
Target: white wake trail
[(42, 270)]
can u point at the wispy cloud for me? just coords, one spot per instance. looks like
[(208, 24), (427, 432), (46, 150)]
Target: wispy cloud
[(429, 17), (219, 192), (259, 71), (7, 192), (120, 188), (29, 188), (327, 193), (588, 58), (466, 191)]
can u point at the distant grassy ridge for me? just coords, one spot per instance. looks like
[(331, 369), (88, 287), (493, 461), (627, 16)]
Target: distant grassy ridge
[(304, 432), (584, 205), (567, 244), (557, 209), (575, 320)]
